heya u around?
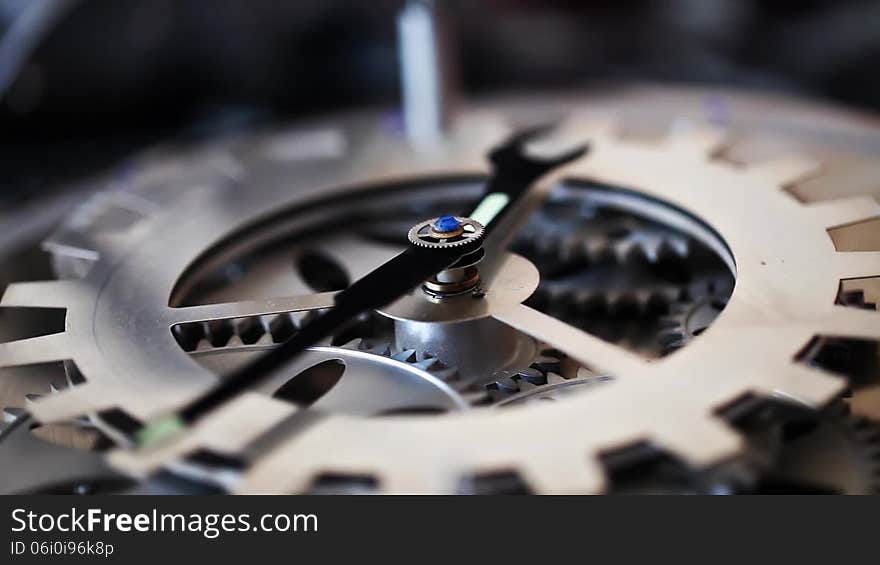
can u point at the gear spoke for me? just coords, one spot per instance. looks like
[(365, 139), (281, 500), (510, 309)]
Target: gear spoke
[(247, 308), (585, 348)]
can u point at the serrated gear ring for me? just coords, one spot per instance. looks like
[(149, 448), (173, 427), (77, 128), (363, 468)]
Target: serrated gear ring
[(423, 235)]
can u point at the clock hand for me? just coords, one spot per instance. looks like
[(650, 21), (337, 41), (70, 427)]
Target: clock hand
[(435, 250)]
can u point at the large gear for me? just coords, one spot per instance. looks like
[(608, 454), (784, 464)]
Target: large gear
[(126, 365)]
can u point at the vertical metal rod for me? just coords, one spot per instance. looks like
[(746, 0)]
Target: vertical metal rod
[(422, 71)]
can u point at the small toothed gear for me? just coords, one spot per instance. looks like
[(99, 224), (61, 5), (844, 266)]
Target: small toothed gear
[(469, 391), (119, 314), (547, 368), (504, 388), (468, 234)]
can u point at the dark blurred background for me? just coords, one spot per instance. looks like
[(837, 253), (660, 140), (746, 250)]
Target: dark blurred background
[(92, 79)]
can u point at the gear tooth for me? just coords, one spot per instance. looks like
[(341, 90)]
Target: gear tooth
[(857, 264), (40, 294), (504, 383), (557, 472), (650, 250), (352, 344), (582, 297), (427, 364), (807, 385), (53, 388), (70, 403), (33, 397), (407, 356), (643, 298), (34, 350), (553, 378), (265, 339), (547, 363), (203, 345), (785, 171), (598, 250), (850, 322), (569, 249), (670, 336), (423, 355), (842, 211), (381, 348), (611, 299), (626, 251), (531, 375), (584, 373), (234, 341), (707, 438), (681, 246)]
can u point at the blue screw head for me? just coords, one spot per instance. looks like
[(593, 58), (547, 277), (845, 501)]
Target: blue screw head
[(447, 223)]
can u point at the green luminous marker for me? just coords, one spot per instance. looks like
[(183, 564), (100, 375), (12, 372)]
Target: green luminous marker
[(489, 207), (160, 430)]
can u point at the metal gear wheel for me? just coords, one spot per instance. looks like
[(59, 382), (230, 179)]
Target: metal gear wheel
[(129, 367)]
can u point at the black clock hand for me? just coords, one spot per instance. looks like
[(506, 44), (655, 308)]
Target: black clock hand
[(513, 174)]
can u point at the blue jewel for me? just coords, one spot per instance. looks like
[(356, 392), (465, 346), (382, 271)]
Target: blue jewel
[(445, 224)]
